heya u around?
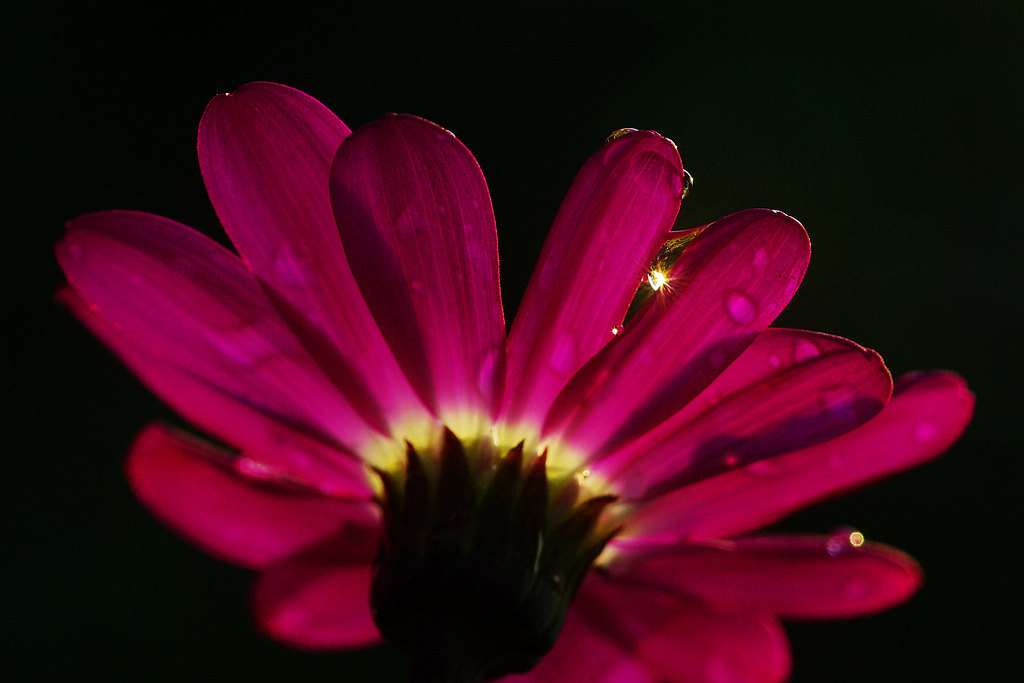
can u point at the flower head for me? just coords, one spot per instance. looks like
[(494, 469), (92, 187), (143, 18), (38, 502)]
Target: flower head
[(396, 466)]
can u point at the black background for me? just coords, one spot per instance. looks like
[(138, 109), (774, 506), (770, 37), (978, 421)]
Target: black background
[(894, 134)]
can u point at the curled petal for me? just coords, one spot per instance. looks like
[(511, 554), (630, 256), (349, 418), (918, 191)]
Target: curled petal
[(729, 284), (617, 213), (794, 576), (265, 151), (194, 488), (415, 216), (789, 407), (928, 412)]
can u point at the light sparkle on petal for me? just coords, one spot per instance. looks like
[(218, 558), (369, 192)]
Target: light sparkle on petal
[(656, 279)]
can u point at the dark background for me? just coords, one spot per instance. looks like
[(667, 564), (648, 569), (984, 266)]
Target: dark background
[(894, 134)]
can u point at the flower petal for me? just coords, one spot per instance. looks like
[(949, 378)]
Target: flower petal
[(192, 487), (192, 304), (265, 151), (642, 635), (415, 216), (729, 284), (273, 450), (928, 412), (793, 576), (606, 660), (320, 599), (616, 215), (798, 405)]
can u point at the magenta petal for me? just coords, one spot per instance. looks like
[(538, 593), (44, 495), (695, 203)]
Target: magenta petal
[(618, 632), (319, 599), (616, 215), (928, 412), (192, 304), (793, 576), (273, 450), (728, 286), (265, 151), (193, 487), (784, 408), (415, 216), (606, 660)]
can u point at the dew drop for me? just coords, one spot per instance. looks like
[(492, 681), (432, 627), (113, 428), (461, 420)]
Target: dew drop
[(687, 184), (616, 330), (740, 307), (842, 540), (805, 349), (255, 469), (621, 132), (760, 260)]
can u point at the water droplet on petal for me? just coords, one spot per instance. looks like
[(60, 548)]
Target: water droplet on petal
[(687, 184), (621, 132), (616, 330), (805, 349), (843, 539), (925, 431), (740, 307), (255, 469), (760, 260)]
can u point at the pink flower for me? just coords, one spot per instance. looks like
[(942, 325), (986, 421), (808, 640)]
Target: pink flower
[(353, 356)]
